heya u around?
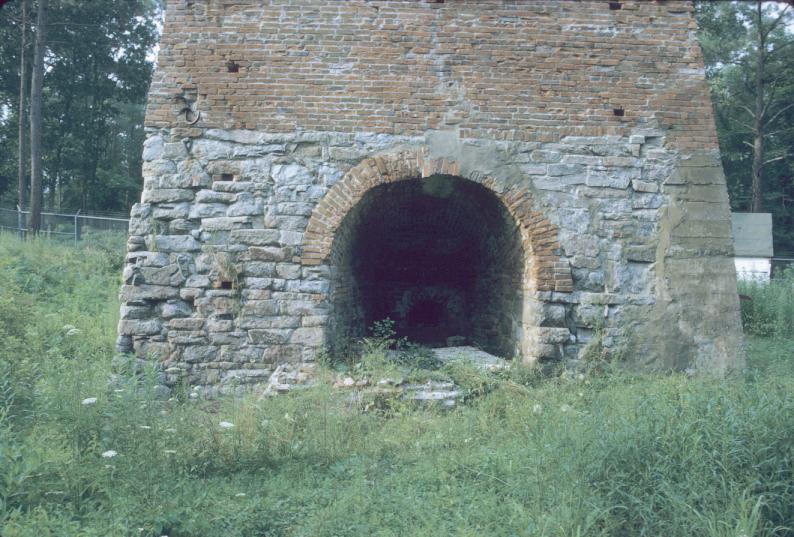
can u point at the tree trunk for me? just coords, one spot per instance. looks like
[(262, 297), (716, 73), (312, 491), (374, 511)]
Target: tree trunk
[(23, 92), (756, 202), (36, 86)]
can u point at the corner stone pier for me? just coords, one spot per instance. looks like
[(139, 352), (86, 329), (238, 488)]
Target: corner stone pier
[(537, 179)]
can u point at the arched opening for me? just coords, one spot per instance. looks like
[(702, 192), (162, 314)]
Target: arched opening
[(442, 257)]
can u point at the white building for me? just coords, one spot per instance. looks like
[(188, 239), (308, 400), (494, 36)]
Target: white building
[(752, 237)]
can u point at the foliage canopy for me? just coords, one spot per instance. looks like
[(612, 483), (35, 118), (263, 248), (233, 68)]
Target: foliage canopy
[(98, 66)]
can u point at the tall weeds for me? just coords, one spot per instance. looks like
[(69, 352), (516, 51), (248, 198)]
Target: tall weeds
[(615, 454)]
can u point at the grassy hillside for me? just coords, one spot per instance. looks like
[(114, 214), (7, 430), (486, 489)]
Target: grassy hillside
[(598, 454)]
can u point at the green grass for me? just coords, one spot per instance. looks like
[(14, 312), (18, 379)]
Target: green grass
[(613, 454)]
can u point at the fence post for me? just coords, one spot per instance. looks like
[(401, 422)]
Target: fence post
[(20, 220), (76, 226)]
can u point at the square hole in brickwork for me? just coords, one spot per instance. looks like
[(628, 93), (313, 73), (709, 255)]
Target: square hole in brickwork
[(232, 66), (614, 6), (227, 177), (619, 112)]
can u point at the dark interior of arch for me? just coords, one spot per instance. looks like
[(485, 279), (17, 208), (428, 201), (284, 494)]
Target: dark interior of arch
[(440, 256)]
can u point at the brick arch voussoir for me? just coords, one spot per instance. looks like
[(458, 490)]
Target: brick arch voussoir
[(548, 270)]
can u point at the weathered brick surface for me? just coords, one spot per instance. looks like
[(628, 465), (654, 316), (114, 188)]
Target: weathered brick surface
[(269, 122), (532, 71)]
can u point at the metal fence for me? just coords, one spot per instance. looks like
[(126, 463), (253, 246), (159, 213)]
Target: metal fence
[(779, 264), (65, 226)]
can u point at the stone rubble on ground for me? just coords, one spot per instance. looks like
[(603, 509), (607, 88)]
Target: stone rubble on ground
[(289, 377)]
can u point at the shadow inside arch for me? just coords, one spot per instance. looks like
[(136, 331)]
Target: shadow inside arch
[(442, 257)]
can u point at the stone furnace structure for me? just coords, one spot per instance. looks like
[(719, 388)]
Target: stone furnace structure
[(540, 179)]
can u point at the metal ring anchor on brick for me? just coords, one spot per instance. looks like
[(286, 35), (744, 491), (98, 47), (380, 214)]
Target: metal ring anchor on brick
[(187, 111)]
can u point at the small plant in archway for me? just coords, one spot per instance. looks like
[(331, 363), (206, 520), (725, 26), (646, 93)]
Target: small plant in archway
[(405, 353)]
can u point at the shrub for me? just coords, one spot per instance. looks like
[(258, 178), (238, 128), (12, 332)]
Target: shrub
[(768, 308)]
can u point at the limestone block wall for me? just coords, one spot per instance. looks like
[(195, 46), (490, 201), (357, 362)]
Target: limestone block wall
[(570, 145)]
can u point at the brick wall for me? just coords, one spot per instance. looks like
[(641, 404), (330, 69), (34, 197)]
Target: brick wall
[(512, 70)]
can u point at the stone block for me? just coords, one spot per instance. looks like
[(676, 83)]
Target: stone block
[(290, 174), (149, 348), (307, 336), (645, 253), (553, 315), (272, 336), (180, 338), (181, 226), (256, 237), (190, 293), (135, 312), (558, 170), (647, 201), (225, 223), (220, 305), (183, 323), (197, 280), (232, 338), (719, 229), (166, 195), (246, 206), (199, 354), (559, 184), (212, 197), (136, 327), (175, 243), (169, 275), (236, 186), (207, 210), (259, 269), (175, 308), (171, 211), (644, 186), (132, 293), (260, 308), (616, 178), (269, 253), (140, 227), (152, 148), (251, 284), (288, 271), (314, 320), (290, 238), (211, 149), (315, 287), (240, 355), (304, 307), (545, 156), (199, 179)]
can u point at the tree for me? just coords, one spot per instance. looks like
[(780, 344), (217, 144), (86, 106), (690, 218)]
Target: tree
[(36, 86), (23, 90), (768, 103), (98, 64), (750, 66), (98, 82)]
